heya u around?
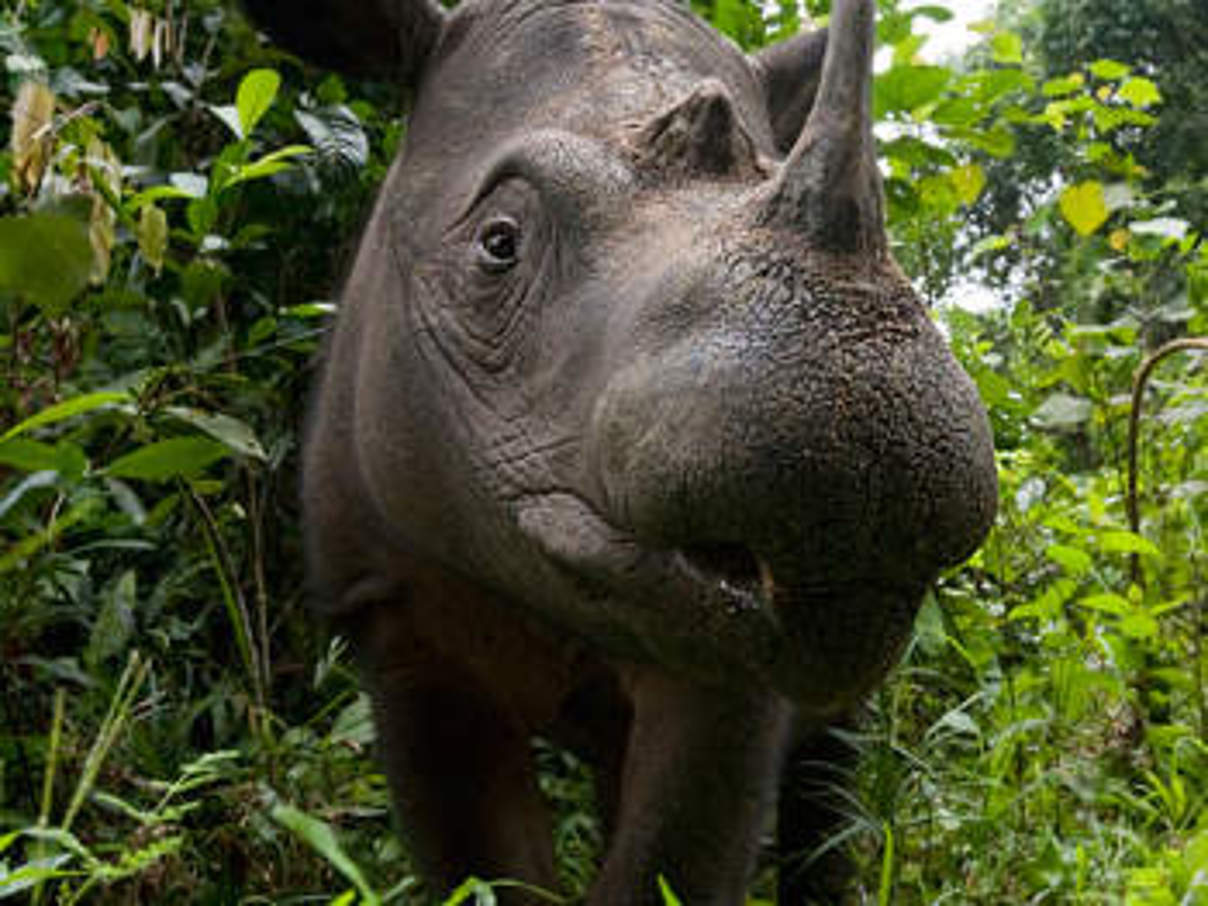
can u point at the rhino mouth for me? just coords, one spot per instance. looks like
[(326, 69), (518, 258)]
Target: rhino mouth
[(732, 568), (722, 610)]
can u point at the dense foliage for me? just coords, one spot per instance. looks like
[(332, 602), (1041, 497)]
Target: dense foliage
[(177, 200)]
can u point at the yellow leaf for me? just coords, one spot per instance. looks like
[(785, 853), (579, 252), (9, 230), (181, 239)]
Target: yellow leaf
[(153, 236), (102, 235), (33, 114), (1084, 207), (969, 181), (105, 168)]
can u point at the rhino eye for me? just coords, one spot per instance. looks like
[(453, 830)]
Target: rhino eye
[(499, 244)]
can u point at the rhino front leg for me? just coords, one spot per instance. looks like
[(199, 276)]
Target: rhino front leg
[(810, 814), (459, 766), (699, 777)]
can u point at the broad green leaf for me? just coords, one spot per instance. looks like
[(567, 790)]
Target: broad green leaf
[(907, 88), (231, 431), (254, 96), (46, 259), (1074, 561), (184, 457), (997, 141), (990, 85), (153, 236), (1056, 88), (969, 181), (1007, 48), (1140, 92), (65, 458), (67, 409), (1122, 542), (1108, 602), (1109, 70), (1084, 207), (1139, 625)]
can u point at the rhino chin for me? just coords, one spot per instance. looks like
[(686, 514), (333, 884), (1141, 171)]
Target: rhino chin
[(723, 612)]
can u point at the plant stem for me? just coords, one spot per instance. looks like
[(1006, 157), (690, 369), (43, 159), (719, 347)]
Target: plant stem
[(1140, 381)]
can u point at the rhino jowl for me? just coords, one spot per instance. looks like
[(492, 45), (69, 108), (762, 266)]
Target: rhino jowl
[(718, 612)]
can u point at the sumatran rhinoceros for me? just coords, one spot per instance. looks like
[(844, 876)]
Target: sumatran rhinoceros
[(630, 432)]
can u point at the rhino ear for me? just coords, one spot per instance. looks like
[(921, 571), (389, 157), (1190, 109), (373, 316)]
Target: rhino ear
[(386, 39), (789, 73)]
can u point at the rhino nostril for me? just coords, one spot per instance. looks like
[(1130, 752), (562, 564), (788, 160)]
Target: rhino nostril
[(730, 565)]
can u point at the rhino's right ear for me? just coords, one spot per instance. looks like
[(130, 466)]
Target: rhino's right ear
[(789, 73), (383, 39)]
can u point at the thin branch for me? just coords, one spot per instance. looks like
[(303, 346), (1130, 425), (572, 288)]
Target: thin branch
[(1140, 382)]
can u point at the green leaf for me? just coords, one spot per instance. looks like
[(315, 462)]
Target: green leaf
[(231, 431), (1074, 561), (322, 839), (1122, 542), (668, 895), (155, 193), (1108, 602), (907, 88), (1140, 92), (184, 457), (1056, 88), (65, 458), (255, 95), (1084, 207), (969, 181), (45, 259), (1139, 625), (1109, 70), (67, 409), (271, 163), (1007, 48)]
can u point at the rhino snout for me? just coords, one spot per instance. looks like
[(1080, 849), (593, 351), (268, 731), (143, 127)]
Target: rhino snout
[(822, 460)]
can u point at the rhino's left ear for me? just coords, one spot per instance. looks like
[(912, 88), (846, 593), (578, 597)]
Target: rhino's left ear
[(385, 39), (789, 73)]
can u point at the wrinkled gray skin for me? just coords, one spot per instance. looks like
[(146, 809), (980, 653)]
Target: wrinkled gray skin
[(630, 432)]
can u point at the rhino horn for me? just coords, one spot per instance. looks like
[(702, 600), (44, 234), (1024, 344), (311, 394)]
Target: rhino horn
[(830, 188), (388, 39)]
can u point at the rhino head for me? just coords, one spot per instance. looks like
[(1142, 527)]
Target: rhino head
[(625, 342), (625, 351)]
